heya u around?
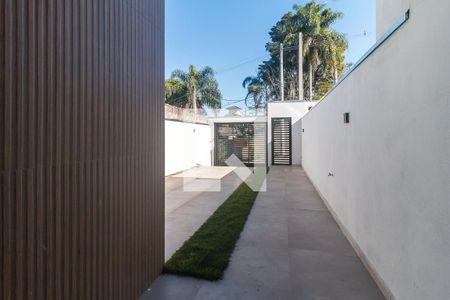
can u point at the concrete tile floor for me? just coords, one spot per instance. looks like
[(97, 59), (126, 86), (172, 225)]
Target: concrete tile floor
[(290, 248), (187, 211)]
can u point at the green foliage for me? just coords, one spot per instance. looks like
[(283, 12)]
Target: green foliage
[(323, 52), (257, 91), (183, 88), (322, 86), (174, 89), (207, 253)]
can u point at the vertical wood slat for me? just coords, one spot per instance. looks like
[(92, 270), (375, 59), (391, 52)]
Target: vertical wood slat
[(75, 169), (21, 146), (90, 165), (67, 236), (7, 207), (42, 136), (82, 155), (59, 156), (31, 152), (81, 137), (51, 149), (2, 114)]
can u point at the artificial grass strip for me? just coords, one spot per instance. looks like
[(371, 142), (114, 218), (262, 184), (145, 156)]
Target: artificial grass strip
[(207, 253)]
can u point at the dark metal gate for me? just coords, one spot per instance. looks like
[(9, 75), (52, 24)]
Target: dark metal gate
[(245, 140), (281, 141)]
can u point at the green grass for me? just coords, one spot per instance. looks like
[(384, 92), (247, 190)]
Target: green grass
[(207, 253)]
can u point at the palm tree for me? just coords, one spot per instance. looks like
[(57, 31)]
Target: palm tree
[(193, 89), (174, 89), (256, 91), (323, 49), (321, 45)]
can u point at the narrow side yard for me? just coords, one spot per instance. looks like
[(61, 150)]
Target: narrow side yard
[(290, 248)]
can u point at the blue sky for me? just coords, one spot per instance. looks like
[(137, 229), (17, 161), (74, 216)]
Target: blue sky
[(230, 35)]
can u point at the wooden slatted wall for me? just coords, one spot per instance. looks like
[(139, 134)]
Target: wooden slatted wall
[(81, 148)]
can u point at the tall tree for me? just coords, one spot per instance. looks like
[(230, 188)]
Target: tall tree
[(323, 51), (256, 91), (193, 89)]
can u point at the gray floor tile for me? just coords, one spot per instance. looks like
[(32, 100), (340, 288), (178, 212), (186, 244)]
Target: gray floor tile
[(319, 275), (290, 248)]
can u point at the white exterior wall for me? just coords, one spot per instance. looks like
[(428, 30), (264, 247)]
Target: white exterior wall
[(389, 11), (187, 145), (391, 164), (285, 109)]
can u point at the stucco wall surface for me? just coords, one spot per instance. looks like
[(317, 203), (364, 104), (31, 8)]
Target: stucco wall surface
[(391, 164), (389, 11), (187, 145)]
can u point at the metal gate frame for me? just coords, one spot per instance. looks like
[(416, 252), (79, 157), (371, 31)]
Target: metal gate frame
[(290, 139), (216, 141)]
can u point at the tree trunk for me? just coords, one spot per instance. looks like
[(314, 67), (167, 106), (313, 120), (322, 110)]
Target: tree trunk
[(194, 101), (292, 91), (335, 75), (310, 82)]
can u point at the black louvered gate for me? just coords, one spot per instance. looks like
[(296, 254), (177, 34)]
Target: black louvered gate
[(281, 141), (246, 140)]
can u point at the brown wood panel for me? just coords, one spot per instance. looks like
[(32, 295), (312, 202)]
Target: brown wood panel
[(81, 148)]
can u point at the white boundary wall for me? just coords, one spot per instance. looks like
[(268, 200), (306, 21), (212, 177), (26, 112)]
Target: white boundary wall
[(187, 145), (391, 186)]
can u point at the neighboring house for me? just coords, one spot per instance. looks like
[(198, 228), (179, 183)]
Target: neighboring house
[(234, 111), (269, 136)]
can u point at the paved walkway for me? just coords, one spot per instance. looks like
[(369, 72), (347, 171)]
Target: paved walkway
[(290, 248), (187, 210)]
